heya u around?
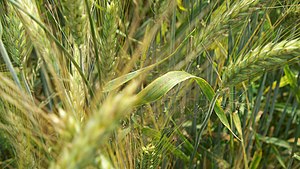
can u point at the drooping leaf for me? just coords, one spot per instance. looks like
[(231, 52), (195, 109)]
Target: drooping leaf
[(159, 87)]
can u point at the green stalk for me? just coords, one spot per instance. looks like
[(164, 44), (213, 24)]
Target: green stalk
[(232, 109)]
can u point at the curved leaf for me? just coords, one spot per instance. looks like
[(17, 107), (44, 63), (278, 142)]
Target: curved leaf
[(159, 87)]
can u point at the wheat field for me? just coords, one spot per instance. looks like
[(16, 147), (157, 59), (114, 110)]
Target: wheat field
[(149, 84)]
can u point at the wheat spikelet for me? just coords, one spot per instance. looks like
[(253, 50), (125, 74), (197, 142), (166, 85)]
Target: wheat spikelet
[(151, 155), (34, 31), (74, 11), (270, 56), (11, 39), (108, 40), (148, 157), (14, 38)]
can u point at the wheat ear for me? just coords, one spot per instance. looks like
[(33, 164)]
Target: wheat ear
[(14, 38), (74, 11), (108, 40), (268, 57)]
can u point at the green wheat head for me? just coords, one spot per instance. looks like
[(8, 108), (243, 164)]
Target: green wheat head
[(108, 41), (74, 12), (14, 38), (268, 57)]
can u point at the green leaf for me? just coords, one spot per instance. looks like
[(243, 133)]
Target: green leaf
[(9, 64), (159, 87), (278, 156), (237, 122), (115, 83), (292, 81), (180, 5), (274, 141), (111, 85), (296, 156), (256, 159)]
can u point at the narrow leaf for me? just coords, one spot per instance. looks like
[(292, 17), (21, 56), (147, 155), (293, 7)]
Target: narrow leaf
[(237, 123), (274, 141), (115, 83), (256, 159), (1, 30), (278, 156), (292, 81), (111, 85)]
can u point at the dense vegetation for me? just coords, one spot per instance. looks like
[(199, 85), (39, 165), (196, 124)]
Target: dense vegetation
[(149, 84)]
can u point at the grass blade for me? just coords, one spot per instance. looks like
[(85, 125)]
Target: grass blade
[(159, 87), (256, 159)]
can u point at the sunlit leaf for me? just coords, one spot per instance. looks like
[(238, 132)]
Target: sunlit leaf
[(122, 80), (296, 156), (159, 87), (237, 122)]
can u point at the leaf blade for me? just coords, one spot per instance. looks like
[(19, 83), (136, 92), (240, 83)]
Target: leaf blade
[(159, 87)]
